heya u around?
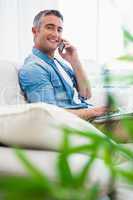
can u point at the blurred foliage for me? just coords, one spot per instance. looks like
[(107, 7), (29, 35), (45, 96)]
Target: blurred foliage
[(127, 41), (69, 185), (128, 37), (127, 58)]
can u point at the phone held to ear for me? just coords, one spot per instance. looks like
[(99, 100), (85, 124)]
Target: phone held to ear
[(61, 47)]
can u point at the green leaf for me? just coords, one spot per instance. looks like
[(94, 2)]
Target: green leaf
[(93, 192), (86, 148), (127, 153), (94, 136), (128, 125), (111, 102), (17, 187), (126, 174), (126, 79), (83, 175), (64, 170), (65, 144), (32, 170), (127, 36), (17, 183), (126, 57)]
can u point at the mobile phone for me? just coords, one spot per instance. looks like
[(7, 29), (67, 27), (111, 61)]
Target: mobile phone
[(61, 46)]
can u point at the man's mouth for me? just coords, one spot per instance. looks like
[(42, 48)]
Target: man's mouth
[(53, 41)]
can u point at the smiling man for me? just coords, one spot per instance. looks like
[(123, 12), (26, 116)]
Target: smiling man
[(44, 78)]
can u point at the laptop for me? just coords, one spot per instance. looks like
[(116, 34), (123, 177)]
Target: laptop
[(121, 113)]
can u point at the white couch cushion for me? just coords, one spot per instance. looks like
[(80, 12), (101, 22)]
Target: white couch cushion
[(9, 88), (46, 161), (37, 125)]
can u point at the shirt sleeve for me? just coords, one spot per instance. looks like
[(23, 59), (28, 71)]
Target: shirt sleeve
[(36, 85)]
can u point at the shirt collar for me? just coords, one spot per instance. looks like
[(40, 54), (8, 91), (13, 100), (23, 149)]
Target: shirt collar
[(42, 55)]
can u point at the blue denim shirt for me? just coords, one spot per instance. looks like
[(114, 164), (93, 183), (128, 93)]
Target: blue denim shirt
[(41, 81)]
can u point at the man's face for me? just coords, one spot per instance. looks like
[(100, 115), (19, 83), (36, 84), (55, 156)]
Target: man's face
[(48, 35)]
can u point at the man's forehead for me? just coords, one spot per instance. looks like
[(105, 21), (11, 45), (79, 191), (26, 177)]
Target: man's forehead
[(52, 19)]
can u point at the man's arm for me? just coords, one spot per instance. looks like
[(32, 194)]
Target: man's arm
[(36, 85), (71, 56), (82, 82), (87, 114)]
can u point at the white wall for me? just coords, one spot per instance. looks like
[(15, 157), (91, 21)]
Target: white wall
[(93, 26), (16, 17)]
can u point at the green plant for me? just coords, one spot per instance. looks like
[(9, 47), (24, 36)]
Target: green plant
[(69, 186), (127, 36), (127, 41)]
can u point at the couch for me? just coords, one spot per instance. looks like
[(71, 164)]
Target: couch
[(36, 128)]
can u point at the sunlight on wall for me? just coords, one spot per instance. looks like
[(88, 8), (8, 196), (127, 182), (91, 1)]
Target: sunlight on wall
[(125, 8), (80, 25), (94, 27), (110, 33), (16, 19)]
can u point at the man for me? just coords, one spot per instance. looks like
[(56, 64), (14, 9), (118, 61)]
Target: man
[(44, 78)]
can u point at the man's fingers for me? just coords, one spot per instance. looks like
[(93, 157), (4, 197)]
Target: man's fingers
[(101, 109), (98, 111)]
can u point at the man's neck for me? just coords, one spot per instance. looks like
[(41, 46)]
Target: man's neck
[(50, 54)]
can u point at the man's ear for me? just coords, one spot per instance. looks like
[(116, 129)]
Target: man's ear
[(34, 30)]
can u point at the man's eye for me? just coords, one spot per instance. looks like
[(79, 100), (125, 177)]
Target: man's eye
[(49, 27), (60, 30)]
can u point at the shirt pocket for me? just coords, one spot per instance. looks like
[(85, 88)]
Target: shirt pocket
[(56, 83), (59, 90)]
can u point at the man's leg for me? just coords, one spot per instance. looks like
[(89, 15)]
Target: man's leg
[(116, 129)]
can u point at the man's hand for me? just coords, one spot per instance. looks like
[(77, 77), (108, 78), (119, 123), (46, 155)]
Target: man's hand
[(89, 113), (70, 54), (98, 111)]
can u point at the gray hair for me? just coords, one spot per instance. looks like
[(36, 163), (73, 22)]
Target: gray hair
[(37, 19)]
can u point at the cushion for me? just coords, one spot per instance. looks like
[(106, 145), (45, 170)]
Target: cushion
[(10, 92), (46, 161), (38, 125)]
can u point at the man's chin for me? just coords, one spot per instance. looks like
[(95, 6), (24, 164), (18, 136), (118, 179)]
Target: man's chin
[(53, 48)]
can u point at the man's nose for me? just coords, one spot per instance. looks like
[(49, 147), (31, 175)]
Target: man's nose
[(55, 33)]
